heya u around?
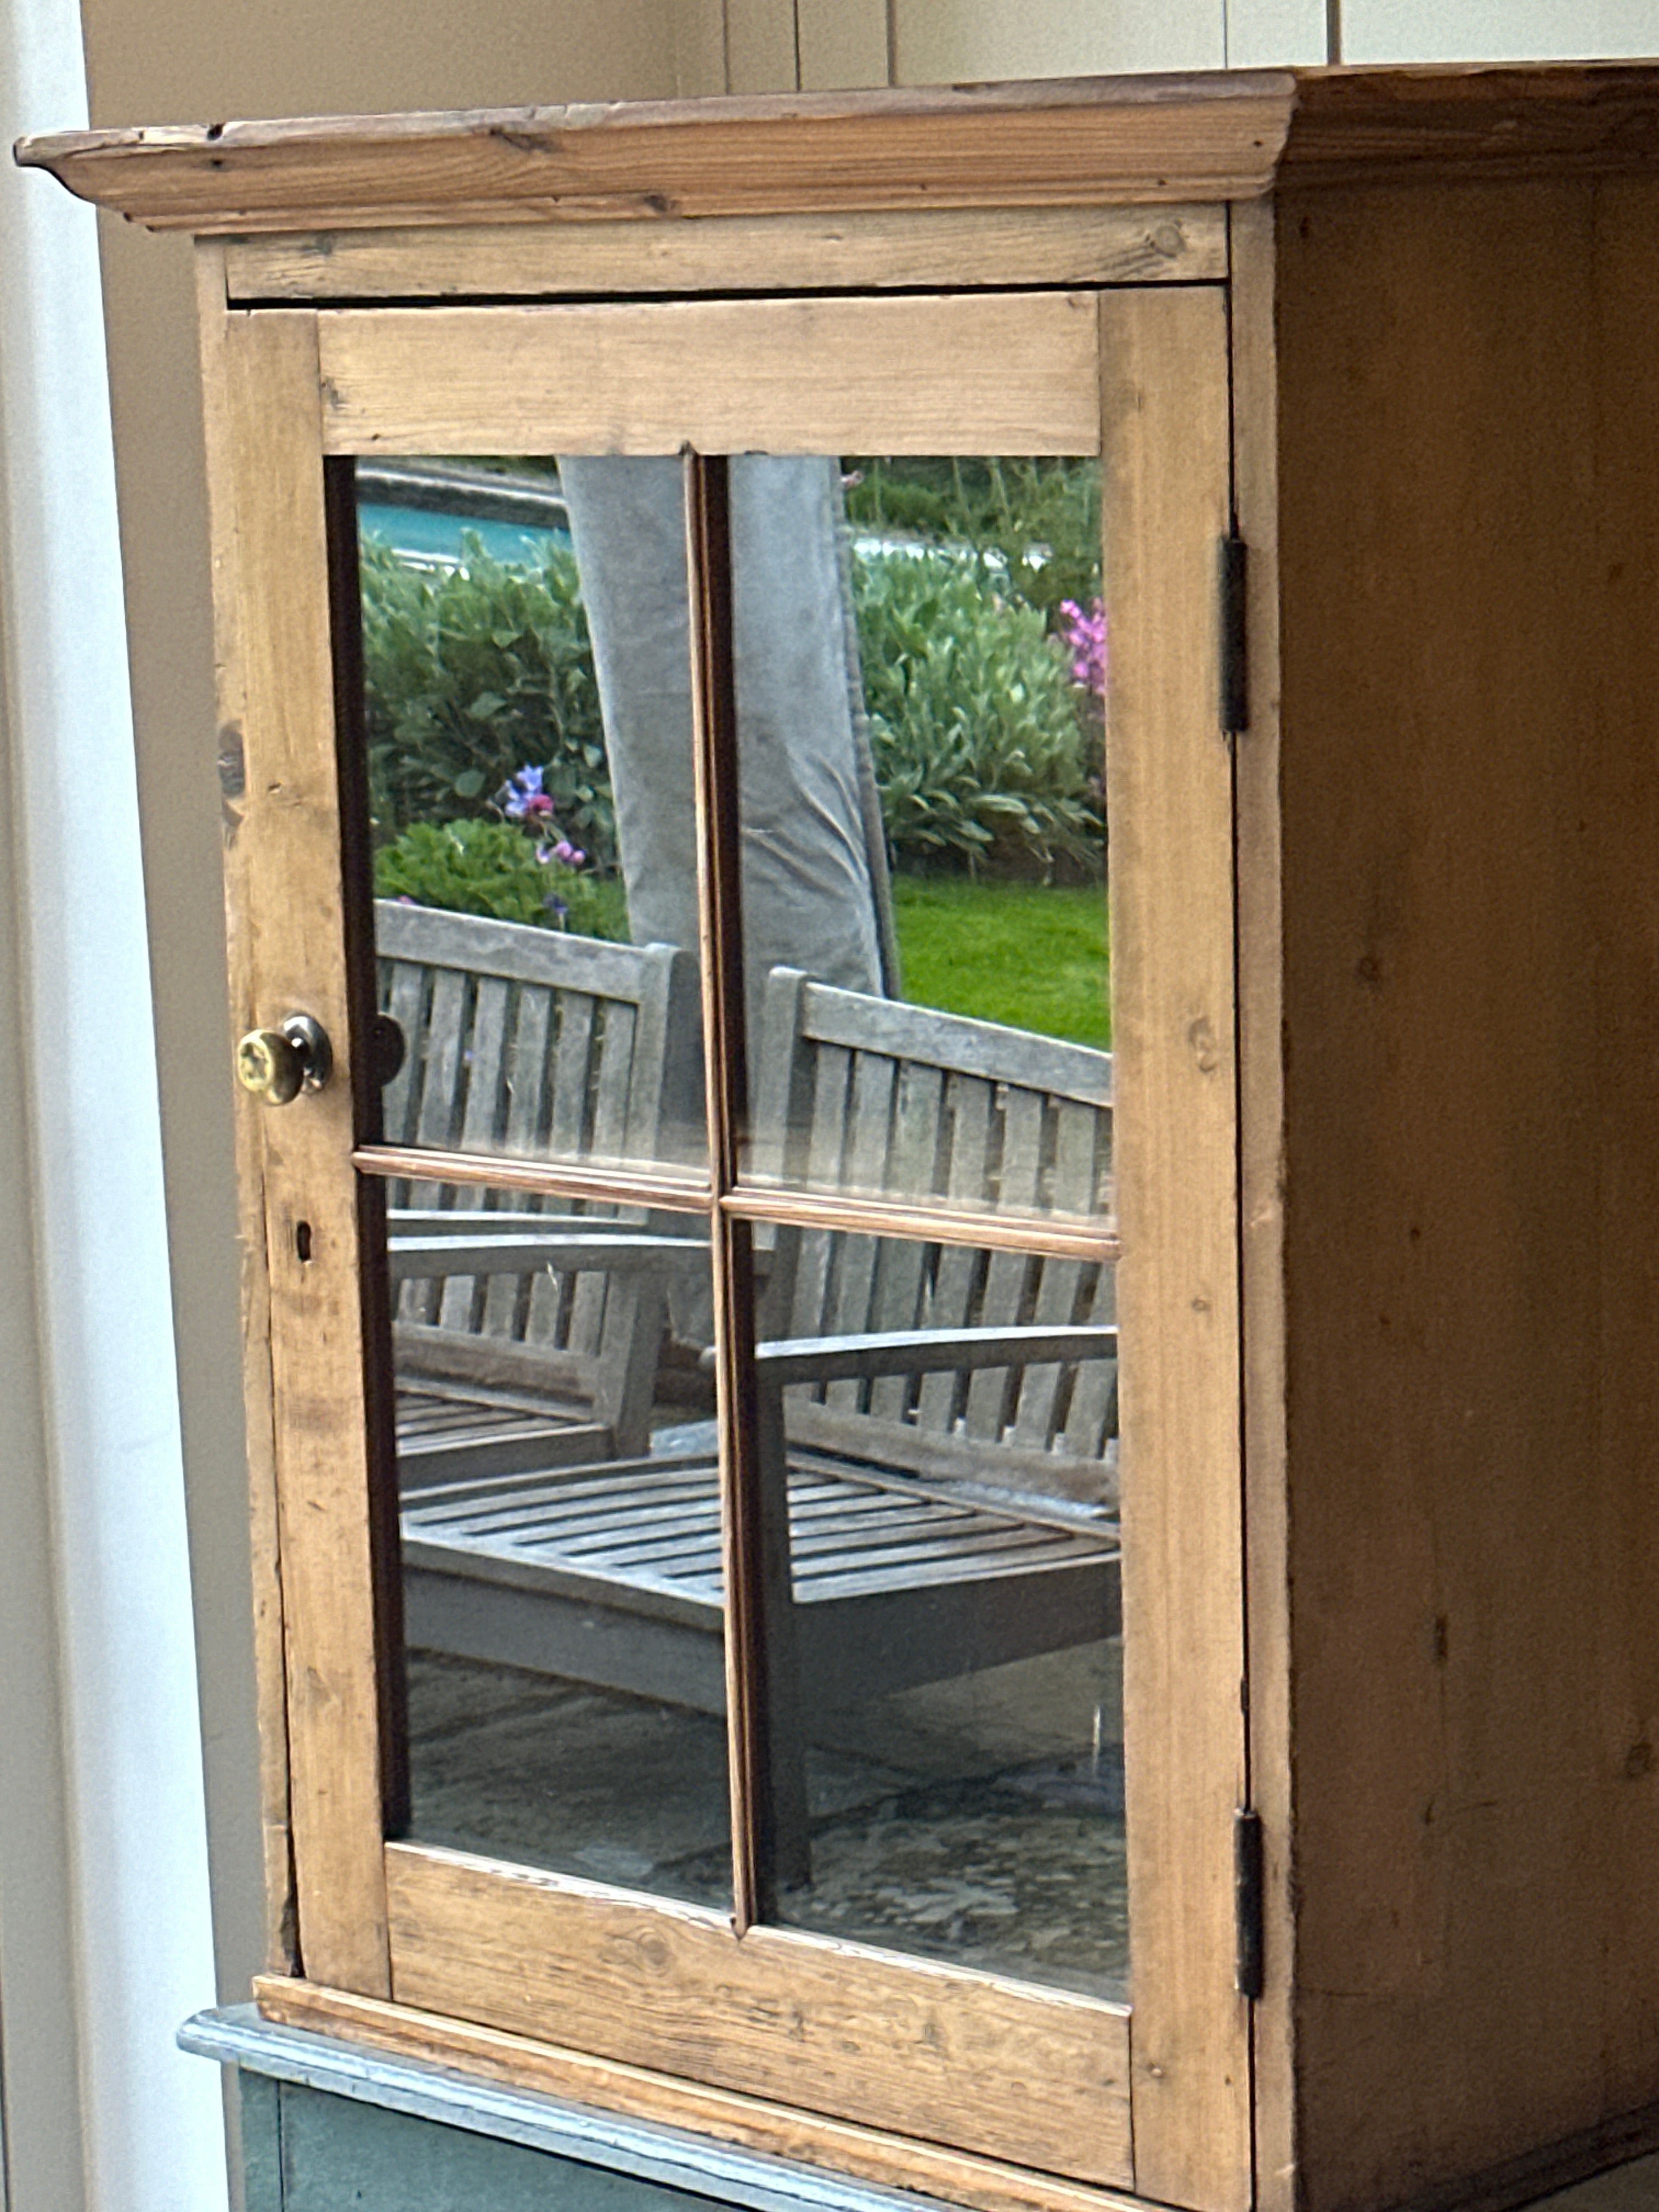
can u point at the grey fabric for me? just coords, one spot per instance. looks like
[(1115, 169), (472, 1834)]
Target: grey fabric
[(812, 896)]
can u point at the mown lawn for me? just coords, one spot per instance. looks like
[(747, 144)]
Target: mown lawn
[(1024, 954)]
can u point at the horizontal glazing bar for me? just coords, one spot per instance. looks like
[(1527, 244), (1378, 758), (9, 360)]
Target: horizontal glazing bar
[(619, 1186), (938, 1223)]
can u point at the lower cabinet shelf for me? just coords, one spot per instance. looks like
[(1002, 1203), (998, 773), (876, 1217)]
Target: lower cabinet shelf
[(327, 2124)]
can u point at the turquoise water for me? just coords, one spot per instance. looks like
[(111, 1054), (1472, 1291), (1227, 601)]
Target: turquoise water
[(425, 537)]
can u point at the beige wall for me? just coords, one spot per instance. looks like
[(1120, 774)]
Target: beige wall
[(776, 44), (1497, 30)]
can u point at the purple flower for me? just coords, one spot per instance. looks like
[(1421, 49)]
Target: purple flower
[(522, 799), (1083, 636)]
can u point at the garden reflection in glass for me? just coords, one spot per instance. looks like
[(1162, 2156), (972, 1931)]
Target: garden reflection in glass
[(944, 1667), (920, 665), (531, 817), (923, 849), (559, 1509), (924, 854)]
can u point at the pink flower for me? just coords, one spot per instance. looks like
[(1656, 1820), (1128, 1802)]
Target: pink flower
[(567, 854)]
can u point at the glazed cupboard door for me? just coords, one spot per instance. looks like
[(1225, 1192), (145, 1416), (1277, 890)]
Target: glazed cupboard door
[(742, 1314)]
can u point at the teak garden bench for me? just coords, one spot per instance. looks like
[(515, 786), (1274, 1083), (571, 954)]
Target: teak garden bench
[(873, 1097), (519, 1041), (934, 1424)]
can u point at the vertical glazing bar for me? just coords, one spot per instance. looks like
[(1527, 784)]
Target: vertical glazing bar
[(356, 864), (757, 1859)]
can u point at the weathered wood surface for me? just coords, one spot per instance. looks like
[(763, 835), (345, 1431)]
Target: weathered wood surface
[(1069, 143), (278, 698), (901, 1357), (534, 1042), (943, 248), (780, 2129), (928, 1352), (639, 1541), (281, 1926), (867, 1095), (934, 1221), (1011, 372), (676, 1190), (477, 1248), (1262, 1122), (1002, 2071), (871, 1096), (1168, 782), (486, 1428), (1470, 859), (1471, 122)]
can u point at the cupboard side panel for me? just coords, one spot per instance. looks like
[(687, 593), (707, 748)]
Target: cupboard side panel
[(1626, 840), (1463, 1836), (1163, 358), (285, 877)]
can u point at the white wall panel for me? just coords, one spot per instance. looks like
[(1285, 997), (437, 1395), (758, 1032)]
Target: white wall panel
[(1269, 34), (699, 47), (1497, 30), (843, 43), (105, 1936), (761, 54), (965, 41)]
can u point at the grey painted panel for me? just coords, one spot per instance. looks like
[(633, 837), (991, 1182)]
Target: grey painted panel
[(262, 2144), (684, 2167), (337, 2153)]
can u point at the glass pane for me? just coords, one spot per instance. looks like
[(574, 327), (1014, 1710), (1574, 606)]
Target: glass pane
[(526, 707), (920, 664), (945, 1666), (560, 1517)]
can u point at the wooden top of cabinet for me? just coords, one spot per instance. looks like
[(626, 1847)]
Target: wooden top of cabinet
[(1077, 142)]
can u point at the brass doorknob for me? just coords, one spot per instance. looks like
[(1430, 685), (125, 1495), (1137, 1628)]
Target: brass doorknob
[(277, 1064)]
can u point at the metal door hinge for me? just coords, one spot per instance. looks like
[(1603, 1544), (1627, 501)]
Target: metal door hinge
[(1235, 665), (1246, 1901)]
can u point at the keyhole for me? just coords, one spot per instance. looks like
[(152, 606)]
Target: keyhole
[(302, 1242)]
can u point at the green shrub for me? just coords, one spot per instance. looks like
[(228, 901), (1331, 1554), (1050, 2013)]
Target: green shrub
[(1038, 520), (469, 676), (982, 755), (986, 753), (471, 867)]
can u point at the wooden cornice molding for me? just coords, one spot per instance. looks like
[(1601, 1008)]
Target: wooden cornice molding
[(1091, 142), (1086, 141)]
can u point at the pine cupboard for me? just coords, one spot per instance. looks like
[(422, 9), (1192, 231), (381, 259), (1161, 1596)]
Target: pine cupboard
[(1364, 361)]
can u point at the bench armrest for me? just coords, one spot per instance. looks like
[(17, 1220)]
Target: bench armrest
[(927, 1351), (620, 1252)]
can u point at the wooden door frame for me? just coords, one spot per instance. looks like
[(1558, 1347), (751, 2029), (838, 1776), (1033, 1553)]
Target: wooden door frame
[(287, 385)]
